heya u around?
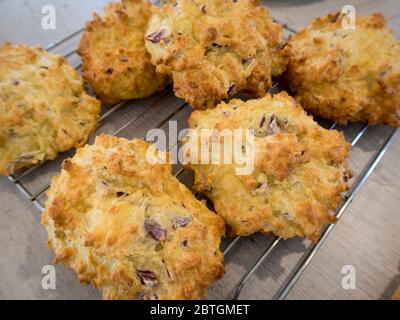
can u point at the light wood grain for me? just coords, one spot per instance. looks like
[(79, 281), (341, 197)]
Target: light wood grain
[(367, 236)]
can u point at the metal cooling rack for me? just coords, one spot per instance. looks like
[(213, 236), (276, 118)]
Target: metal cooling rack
[(295, 275)]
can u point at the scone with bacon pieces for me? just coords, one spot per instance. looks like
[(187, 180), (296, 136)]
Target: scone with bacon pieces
[(299, 168), (130, 227), (344, 74), (115, 61), (44, 109), (215, 48)]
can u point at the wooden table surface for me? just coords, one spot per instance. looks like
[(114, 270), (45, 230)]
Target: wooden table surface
[(366, 237)]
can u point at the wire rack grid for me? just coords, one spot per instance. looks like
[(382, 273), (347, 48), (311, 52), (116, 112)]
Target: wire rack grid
[(37, 196)]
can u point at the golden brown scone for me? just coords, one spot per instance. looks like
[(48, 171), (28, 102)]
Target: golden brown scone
[(115, 61), (131, 228), (347, 75), (300, 169), (44, 109), (215, 48)]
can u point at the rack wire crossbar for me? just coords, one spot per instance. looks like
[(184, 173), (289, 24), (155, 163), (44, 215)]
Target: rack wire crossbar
[(310, 252)]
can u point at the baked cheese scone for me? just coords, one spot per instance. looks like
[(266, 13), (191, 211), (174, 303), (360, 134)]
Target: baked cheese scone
[(299, 168), (115, 61), (347, 75), (215, 48), (131, 228), (44, 109)]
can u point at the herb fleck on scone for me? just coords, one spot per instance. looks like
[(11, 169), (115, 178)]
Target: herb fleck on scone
[(131, 228), (215, 48)]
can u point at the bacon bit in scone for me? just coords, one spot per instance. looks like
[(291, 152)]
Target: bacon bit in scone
[(262, 121), (247, 60), (155, 230), (203, 8), (16, 82), (273, 126), (181, 222), (282, 45), (287, 215), (269, 127), (157, 36), (216, 45), (261, 188), (166, 268), (147, 278), (231, 90), (347, 175), (109, 71), (207, 188), (122, 194), (282, 122), (184, 243), (140, 295)]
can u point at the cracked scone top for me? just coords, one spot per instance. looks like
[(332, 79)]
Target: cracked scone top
[(347, 75), (44, 109), (115, 61), (215, 48), (300, 168), (131, 228)]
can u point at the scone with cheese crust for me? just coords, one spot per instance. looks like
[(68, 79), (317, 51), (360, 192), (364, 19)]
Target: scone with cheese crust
[(300, 168), (215, 48), (347, 75), (115, 61), (44, 109), (131, 228)]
